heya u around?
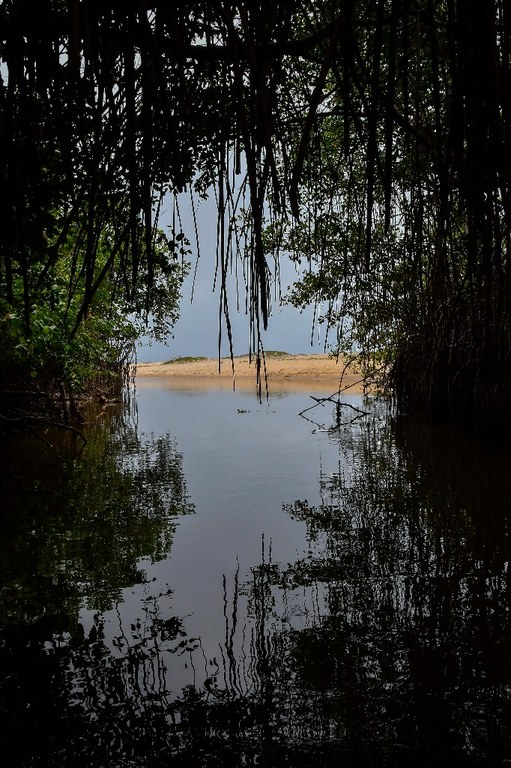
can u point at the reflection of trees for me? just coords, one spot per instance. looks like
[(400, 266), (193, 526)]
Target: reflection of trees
[(389, 641), (79, 525), (411, 549), (84, 700), (386, 643)]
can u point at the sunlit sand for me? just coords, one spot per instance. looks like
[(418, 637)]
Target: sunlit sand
[(296, 369)]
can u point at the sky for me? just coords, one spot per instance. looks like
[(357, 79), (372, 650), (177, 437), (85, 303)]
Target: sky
[(196, 332)]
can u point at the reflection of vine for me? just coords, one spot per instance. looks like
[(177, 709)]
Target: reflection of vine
[(386, 642), (408, 588)]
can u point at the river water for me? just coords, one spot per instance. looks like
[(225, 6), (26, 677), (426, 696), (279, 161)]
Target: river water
[(217, 581)]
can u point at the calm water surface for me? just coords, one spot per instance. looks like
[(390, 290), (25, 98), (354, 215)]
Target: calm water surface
[(216, 581)]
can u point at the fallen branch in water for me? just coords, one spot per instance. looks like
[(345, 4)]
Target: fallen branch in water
[(336, 402), (335, 399)]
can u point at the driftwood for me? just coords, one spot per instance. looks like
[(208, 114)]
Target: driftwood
[(339, 405)]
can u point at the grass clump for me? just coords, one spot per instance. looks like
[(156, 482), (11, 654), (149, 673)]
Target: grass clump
[(271, 353), (277, 353), (184, 360)]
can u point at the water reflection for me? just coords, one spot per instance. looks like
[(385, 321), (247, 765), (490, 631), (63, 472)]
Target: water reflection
[(411, 547), (75, 524), (385, 642)]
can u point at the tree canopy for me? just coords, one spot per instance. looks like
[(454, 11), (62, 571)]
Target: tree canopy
[(382, 128)]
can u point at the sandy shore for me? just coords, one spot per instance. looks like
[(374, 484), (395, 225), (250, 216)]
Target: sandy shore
[(299, 368)]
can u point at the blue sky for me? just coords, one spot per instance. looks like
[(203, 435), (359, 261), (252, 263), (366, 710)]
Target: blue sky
[(196, 333)]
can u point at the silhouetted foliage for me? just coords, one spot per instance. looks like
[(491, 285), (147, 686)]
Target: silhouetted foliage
[(388, 115)]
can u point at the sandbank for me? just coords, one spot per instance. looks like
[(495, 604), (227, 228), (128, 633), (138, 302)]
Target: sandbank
[(300, 369)]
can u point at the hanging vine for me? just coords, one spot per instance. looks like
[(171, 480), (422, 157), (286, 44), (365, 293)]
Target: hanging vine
[(356, 116)]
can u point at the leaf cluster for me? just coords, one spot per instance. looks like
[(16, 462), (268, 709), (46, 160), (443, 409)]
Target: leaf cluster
[(58, 340)]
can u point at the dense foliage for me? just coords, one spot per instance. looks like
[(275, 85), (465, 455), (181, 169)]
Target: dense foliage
[(404, 204), (56, 349), (382, 127)]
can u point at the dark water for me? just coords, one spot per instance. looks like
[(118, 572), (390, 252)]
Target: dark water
[(212, 581)]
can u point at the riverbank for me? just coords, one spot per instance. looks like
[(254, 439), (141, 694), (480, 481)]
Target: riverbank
[(278, 366)]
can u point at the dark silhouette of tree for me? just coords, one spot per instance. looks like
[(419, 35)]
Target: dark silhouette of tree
[(109, 105)]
